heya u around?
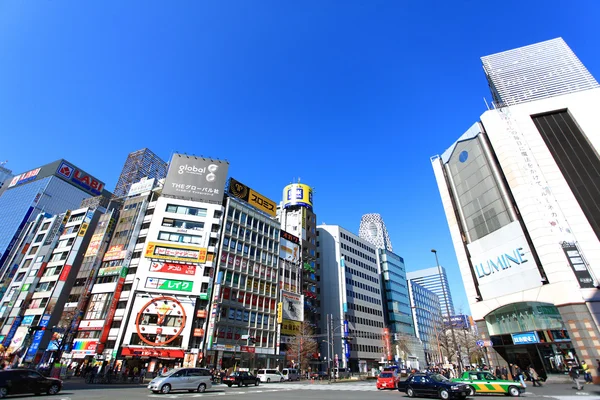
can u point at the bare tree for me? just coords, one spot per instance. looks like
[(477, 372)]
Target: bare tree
[(302, 346)]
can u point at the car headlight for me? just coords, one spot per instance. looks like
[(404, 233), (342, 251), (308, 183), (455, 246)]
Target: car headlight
[(456, 387)]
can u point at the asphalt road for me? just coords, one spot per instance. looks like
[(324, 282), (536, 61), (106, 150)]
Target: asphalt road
[(78, 390)]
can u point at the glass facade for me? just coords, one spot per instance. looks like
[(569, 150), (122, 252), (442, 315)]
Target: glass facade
[(477, 192), (427, 316), (397, 303), (522, 317), (431, 280)]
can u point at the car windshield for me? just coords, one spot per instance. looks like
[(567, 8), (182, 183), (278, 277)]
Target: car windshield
[(386, 375), (234, 374), (169, 372), (439, 378)]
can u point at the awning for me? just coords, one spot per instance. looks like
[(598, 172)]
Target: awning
[(150, 352)]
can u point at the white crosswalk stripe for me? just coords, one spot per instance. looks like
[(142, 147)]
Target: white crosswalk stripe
[(358, 386)]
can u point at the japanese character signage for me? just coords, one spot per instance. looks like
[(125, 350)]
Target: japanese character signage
[(297, 194), (116, 252), (255, 199), (170, 268), (176, 253), (169, 284), (290, 328), (196, 178)]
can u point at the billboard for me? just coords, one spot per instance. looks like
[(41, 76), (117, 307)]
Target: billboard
[(115, 252), (289, 247), (293, 306), (94, 245), (290, 328), (23, 178), (196, 178), (458, 321), (175, 253), (255, 199), (503, 263), (85, 181), (169, 284), (297, 194), (142, 186), (170, 268)]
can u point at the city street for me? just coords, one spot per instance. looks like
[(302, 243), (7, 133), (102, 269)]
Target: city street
[(77, 389)]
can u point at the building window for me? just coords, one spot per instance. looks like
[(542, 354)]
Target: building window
[(177, 209), (177, 223), (179, 237)]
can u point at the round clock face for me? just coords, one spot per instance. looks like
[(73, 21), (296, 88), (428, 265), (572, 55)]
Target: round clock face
[(160, 321)]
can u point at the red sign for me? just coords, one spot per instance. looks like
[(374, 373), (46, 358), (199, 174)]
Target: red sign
[(198, 332), (88, 180), (388, 344), (169, 268), (201, 314), (65, 273), (248, 349), (115, 253), (146, 352), (111, 313)]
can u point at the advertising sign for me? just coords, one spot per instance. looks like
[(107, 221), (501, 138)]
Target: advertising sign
[(388, 344), (578, 265), (255, 199), (11, 332), (83, 229), (86, 346), (176, 253), (169, 284), (94, 245), (142, 186), (458, 321), (288, 250), (115, 252), (525, 338), (27, 320), (297, 194), (110, 271), (26, 177), (80, 178), (170, 268), (503, 262), (293, 306), (110, 316), (290, 328), (196, 178), (35, 344), (17, 340)]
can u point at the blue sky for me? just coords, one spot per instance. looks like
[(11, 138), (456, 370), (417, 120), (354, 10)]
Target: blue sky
[(353, 97)]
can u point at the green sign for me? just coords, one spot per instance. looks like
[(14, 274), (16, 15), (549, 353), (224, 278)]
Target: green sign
[(108, 271), (203, 296), (25, 287), (172, 284)]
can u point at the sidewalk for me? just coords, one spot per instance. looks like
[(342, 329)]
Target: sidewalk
[(560, 390)]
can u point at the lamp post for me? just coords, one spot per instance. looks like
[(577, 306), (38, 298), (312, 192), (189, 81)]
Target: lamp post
[(458, 357)]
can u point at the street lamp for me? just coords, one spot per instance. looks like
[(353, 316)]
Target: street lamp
[(458, 357)]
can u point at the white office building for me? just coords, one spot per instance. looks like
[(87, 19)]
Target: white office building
[(520, 189), (351, 294)]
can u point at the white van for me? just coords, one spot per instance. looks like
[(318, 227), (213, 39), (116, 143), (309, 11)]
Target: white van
[(269, 375), (341, 373), (290, 374)]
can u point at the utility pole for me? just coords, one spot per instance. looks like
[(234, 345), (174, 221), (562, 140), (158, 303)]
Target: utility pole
[(458, 357), (328, 353)]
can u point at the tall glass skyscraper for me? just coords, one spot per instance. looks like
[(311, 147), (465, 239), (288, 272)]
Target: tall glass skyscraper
[(430, 279), (140, 164), (52, 189), (395, 290), (538, 71), (427, 318), (373, 230)]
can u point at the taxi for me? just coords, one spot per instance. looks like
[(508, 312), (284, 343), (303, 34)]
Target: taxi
[(485, 382)]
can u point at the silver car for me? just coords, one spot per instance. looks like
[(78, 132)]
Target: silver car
[(190, 379)]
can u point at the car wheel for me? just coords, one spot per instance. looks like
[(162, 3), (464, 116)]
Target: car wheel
[(513, 391), (229, 385), (165, 389), (240, 384), (201, 388), (410, 392), (444, 395), (281, 380), (53, 389), (268, 380), (256, 383), (471, 390)]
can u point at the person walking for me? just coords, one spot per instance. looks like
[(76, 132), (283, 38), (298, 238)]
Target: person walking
[(504, 373), (574, 374), (497, 372), (587, 375), (535, 378)]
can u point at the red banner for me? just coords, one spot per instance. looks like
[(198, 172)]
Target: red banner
[(170, 268), (65, 273), (248, 349), (145, 352), (198, 332), (388, 344)]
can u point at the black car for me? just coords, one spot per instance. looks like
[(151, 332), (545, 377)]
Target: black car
[(21, 381), (241, 378), (432, 385), (321, 375)]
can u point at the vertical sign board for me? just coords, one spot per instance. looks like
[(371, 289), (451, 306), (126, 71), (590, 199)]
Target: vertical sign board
[(111, 311), (11, 332), (346, 344), (578, 265), (388, 344)]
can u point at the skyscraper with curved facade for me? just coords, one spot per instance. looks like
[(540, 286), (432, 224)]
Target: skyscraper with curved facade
[(373, 230)]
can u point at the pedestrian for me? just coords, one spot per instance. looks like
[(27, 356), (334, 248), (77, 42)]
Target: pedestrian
[(535, 378), (498, 372), (574, 374), (586, 372), (504, 373), (521, 376)]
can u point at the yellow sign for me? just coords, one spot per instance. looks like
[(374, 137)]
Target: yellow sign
[(297, 194), (163, 251), (290, 328), (255, 199), (83, 229), (279, 312)]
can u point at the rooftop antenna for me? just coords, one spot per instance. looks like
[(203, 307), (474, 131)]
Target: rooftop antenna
[(298, 179), (3, 163)]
